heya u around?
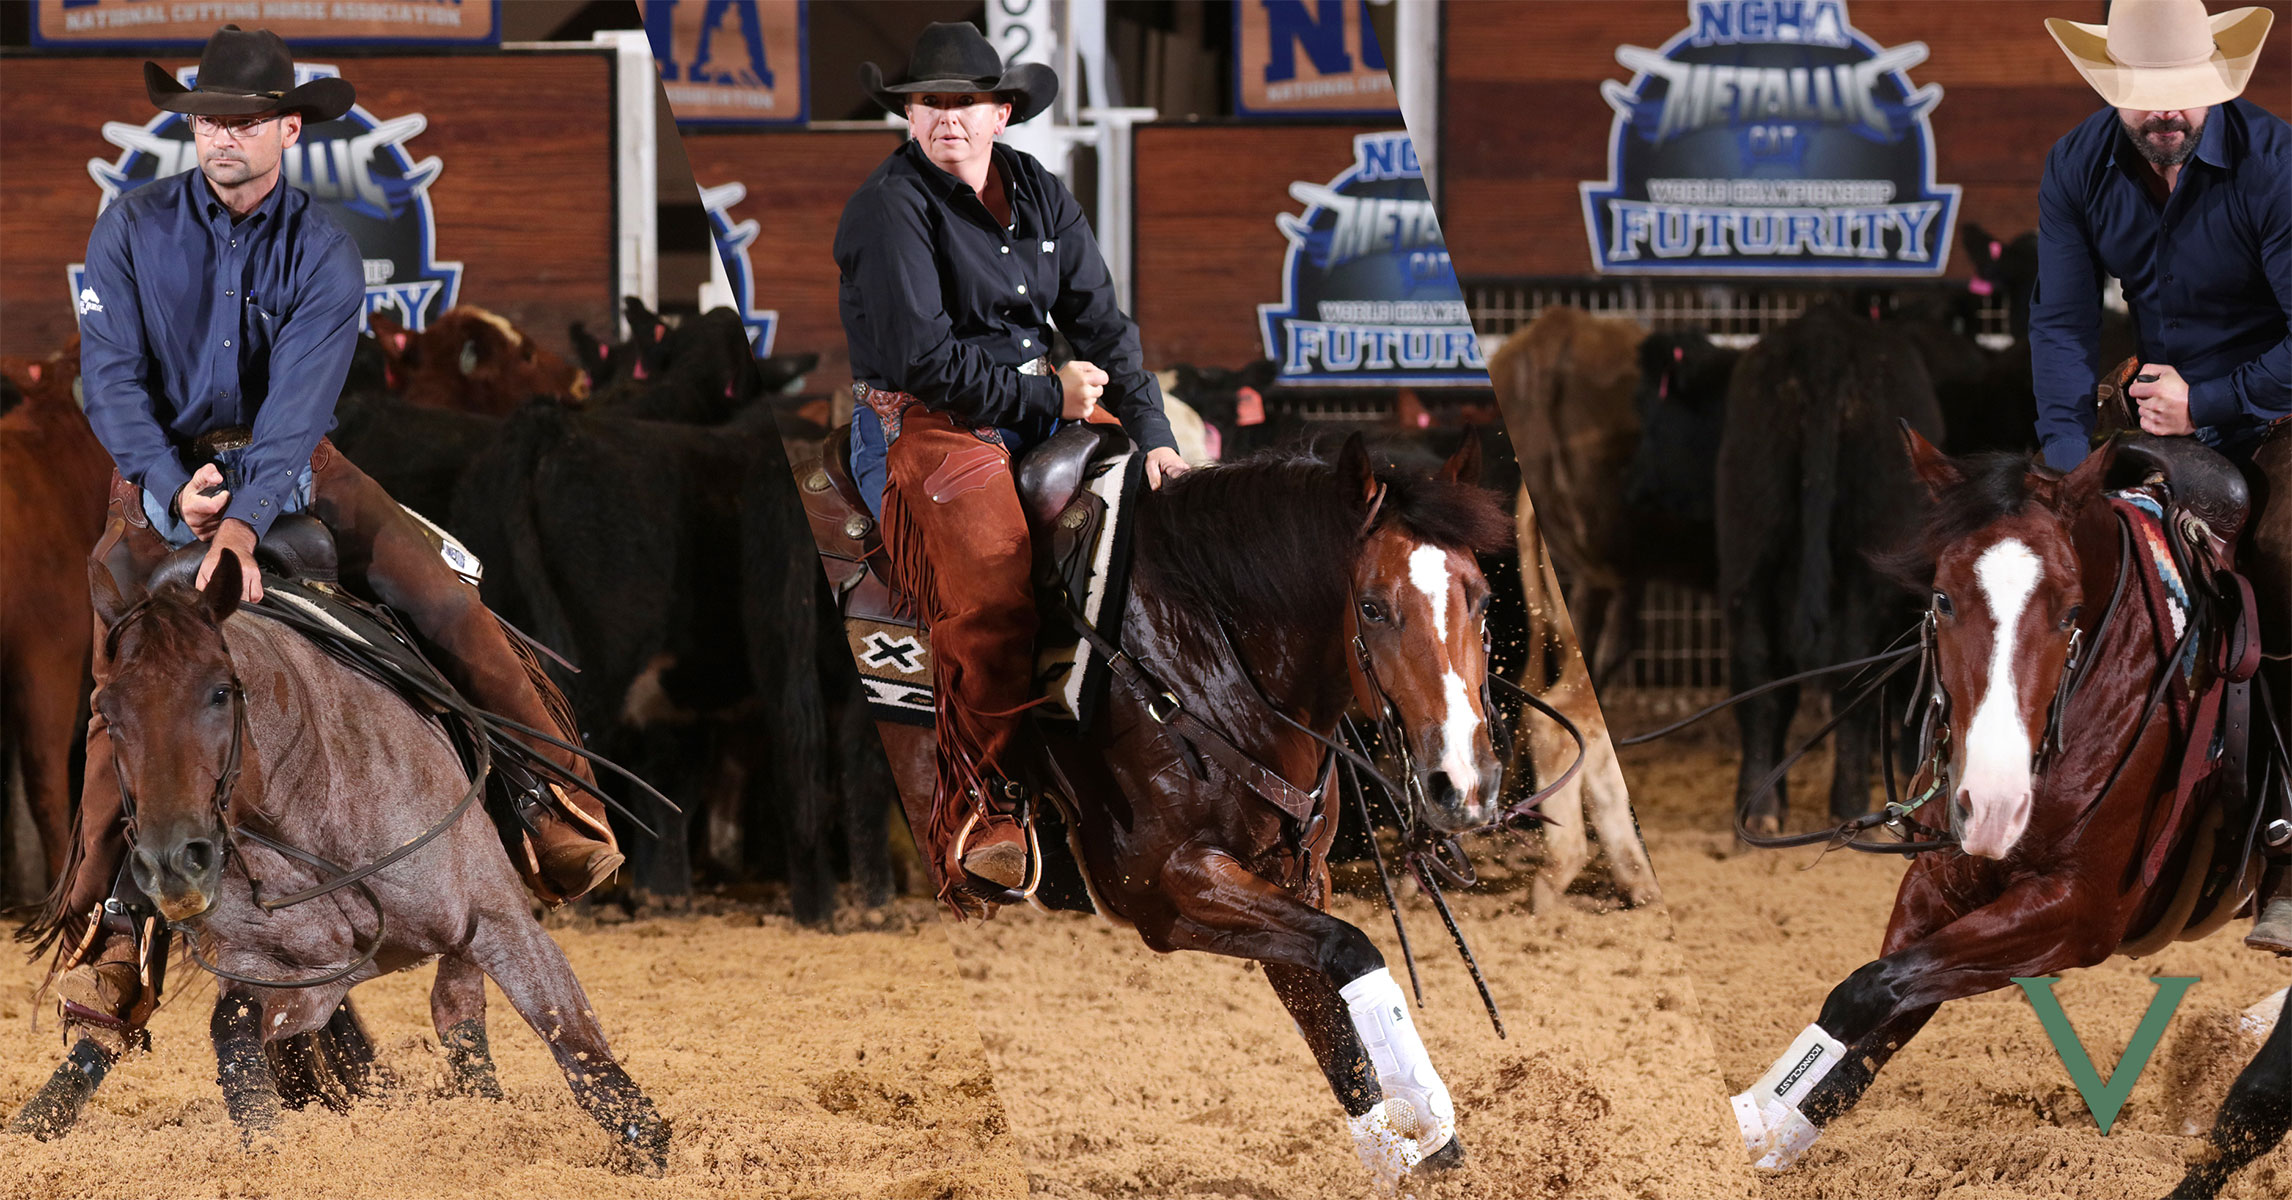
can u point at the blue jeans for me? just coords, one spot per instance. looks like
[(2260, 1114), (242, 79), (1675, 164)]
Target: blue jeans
[(176, 533)]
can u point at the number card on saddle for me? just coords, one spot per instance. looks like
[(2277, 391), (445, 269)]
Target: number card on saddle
[(2184, 508), (1074, 489)]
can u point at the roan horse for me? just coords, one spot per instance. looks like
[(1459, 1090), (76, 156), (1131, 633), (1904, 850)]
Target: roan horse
[(235, 736), (1265, 596), (2060, 791)]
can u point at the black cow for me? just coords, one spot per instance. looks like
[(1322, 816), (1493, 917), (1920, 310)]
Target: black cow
[(1810, 481), (1670, 480), (672, 563), (698, 369)]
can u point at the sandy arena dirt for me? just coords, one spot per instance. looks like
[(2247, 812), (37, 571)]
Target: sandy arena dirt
[(1979, 1106), (1132, 1074), (789, 1063)]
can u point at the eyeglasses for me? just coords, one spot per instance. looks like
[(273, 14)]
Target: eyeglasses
[(237, 127)]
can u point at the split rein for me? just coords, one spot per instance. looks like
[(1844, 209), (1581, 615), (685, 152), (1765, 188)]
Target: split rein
[(480, 732), (1930, 706)]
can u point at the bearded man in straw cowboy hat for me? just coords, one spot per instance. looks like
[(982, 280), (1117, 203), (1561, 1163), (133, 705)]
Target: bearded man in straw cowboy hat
[(217, 320), (956, 256), (2184, 191)]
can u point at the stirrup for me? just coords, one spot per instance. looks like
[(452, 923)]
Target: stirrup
[(1032, 875)]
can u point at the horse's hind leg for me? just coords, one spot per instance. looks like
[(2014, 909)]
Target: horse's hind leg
[(348, 1053), (2252, 1120), (533, 974), (457, 1008), (250, 1091), (57, 1107)]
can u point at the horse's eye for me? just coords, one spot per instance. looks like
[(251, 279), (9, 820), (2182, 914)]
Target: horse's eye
[(220, 697), (2069, 619), (1942, 606), (1372, 612)]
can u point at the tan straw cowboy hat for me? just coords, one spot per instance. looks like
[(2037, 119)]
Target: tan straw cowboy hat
[(2160, 55)]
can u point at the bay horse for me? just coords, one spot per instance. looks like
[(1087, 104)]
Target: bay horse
[(251, 761), (2058, 786), (1265, 597)]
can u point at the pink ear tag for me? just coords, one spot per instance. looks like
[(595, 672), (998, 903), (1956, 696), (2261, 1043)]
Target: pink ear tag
[(1249, 407)]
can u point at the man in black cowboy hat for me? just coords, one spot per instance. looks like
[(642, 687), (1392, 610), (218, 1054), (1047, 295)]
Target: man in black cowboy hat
[(957, 255), (218, 316)]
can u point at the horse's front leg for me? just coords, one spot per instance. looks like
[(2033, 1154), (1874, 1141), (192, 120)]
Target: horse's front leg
[(250, 1092), (457, 1009), (1399, 1111), (2255, 1115), (2034, 927)]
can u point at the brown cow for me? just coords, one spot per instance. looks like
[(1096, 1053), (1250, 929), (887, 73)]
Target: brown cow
[(1565, 384), (1555, 673), (53, 474), (473, 361)]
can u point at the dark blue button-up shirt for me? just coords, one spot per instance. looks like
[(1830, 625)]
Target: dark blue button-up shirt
[(941, 302), (192, 322), (2207, 274)]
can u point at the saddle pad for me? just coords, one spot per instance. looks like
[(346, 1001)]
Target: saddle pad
[(894, 661), (358, 630), (2162, 586), (1071, 675)]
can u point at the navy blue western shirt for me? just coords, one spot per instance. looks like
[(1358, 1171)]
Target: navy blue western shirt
[(2207, 274), (942, 302), (191, 322)]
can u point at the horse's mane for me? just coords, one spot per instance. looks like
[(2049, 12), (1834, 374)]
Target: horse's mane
[(1277, 533), (1996, 487)]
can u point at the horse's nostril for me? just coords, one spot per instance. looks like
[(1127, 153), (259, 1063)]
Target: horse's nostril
[(1444, 791), (196, 856)]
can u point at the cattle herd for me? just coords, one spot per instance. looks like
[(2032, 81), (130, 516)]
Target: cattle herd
[(1772, 476)]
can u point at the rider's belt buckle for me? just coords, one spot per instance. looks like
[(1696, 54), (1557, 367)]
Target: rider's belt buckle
[(223, 441)]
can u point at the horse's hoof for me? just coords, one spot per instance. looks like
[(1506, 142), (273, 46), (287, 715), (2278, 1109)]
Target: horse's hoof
[(1447, 1158), (52, 1113), (644, 1147)]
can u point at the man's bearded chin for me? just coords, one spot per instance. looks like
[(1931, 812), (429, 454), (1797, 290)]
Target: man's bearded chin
[(2158, 155)]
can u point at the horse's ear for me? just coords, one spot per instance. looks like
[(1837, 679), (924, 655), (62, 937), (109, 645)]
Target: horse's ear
[(1932, 467), (2085, 480), (221, 598), (104, 593), (1464, 465), (1355, 472)]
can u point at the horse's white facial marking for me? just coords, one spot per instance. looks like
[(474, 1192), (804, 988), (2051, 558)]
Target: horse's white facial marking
[(1428, 570), (1999, 744), (1457, 731)]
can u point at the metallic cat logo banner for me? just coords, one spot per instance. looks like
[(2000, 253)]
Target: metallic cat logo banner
[(356, 166), (732, 242), (1770, 137), (1368, 295)]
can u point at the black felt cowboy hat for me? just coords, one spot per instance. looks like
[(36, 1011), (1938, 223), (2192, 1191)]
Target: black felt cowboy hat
[(241, 74), (953, 56)]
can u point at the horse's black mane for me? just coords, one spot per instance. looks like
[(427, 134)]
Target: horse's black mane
[(1996, 487), (1276, 534)]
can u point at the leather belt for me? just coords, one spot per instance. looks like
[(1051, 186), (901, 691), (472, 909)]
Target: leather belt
[(224, 440)]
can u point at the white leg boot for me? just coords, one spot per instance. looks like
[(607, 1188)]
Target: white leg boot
[(1774, 1130), (1416, 1110)]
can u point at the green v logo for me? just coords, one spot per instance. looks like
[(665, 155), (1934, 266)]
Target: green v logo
[(2104, 1099)]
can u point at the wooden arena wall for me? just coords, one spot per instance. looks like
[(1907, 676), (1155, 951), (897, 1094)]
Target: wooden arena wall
[(1208, 250), (1523, 122), (524, 197), (797, 183)]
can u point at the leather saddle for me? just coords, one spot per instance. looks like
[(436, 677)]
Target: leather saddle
[(298, 547), (1066, 518), (2210, 498)]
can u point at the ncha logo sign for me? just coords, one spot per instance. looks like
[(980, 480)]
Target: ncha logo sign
[(1770, 137), (355, 166), (1369, 297)]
